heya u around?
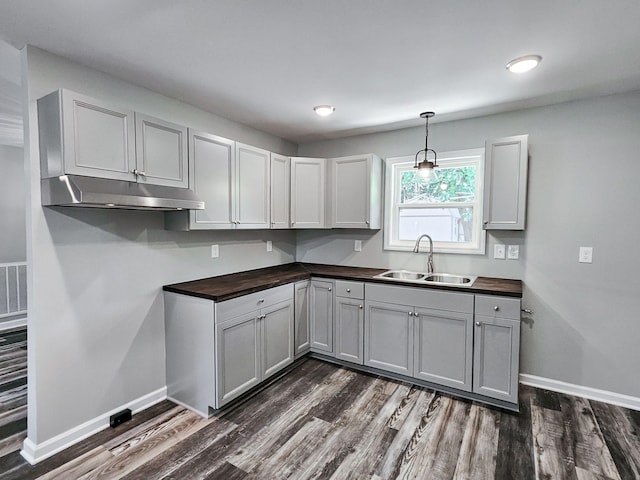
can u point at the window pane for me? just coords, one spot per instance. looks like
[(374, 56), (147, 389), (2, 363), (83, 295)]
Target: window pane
[(442, 224), (447, 184)]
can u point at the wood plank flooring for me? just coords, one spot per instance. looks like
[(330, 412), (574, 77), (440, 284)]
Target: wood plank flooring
[(321, 421)]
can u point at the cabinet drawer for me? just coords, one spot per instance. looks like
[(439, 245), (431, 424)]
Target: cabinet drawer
[(493, 306), (252, 302), (349, 289)]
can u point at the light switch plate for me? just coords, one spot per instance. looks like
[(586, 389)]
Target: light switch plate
[(269, 246), (498, 251), (215, 251), (357, 245), (586, 255), (513, 252)]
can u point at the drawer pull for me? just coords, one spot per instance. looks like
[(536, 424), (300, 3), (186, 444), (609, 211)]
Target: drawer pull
[(348, 290), (496, 308)]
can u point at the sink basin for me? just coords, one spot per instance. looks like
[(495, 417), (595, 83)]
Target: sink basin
[(401, 275), (428, 278), (448, 279)]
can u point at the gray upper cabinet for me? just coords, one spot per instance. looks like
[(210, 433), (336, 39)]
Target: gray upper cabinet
[(505, 183), (252, 193), (356, 192), (321, 316), (80, 135), (161, 152), (308, 192), (497, 347), (280, 191)]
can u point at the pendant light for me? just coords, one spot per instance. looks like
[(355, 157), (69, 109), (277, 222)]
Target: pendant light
[(425, 167)]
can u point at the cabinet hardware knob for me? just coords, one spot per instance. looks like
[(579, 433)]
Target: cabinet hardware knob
[(134, 171), (526, 310), (348, 290), (478, 324), (360, 307), (261, 300), (142, 174), (496, 308), (411, 314), (367, 222), (485, 222)]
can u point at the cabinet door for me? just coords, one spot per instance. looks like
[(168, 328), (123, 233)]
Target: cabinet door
[(388, 337), (496, 357), (308, 192), (349, 326), (252, 187), (505, 183), (321, 313), (280, 188), (277, 337), (302, 341), (99, 138), (351, 192), (238, 366), (161, 152), (211, 162), (443, 349)]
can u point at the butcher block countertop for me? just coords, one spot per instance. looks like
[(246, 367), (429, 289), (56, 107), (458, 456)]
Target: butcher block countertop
[(225, 287)]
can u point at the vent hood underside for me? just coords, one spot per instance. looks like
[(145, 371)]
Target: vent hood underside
[(79, 191)]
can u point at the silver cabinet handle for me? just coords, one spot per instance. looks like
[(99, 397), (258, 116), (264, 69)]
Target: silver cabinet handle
[(485, 222), (496, 308), (367, 222), (329, 288), (348, 290), (360, 307), (142, 174), (526, 310), (411, 314), (261, 300), (134, 171), (478, 324)]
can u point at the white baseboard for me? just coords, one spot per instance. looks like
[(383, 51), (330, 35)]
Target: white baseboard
[(13, 323), (34, 453), (606, 396)]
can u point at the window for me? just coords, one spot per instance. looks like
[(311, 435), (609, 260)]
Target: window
[(448, 206)]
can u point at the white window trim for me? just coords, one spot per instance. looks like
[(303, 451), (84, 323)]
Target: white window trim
[(445, 159)]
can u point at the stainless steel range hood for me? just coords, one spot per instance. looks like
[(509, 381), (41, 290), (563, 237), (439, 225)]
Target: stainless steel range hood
[(79, 191)]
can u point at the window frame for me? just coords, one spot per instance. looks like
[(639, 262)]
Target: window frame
[(394, 165)]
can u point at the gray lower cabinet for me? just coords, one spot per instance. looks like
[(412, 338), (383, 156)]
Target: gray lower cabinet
[(496, 347), (443, 347), (321, 316), (349, 326), (216, 351), (302, 341), (388, 337)]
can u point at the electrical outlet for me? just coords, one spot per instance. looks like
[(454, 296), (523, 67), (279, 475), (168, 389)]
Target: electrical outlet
[(498, 251), (586, 255), (357, 245), (215, 251), (269, 246), (513, 252)]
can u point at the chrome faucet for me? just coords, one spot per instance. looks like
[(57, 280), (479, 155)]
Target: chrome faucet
[(416, 249)]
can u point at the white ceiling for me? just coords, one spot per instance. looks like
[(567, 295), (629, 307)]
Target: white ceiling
[(266, 63)]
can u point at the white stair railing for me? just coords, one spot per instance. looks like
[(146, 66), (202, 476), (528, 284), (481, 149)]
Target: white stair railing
[(13, 289)]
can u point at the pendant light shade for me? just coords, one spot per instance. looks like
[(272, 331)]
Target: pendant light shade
[(422, 163)]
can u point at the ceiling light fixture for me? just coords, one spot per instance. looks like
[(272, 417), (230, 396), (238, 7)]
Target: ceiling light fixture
[(324, 110), (524, 64), (425, 167)]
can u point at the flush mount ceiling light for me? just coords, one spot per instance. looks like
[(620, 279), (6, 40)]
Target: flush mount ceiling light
[(324, 110), (524, 64), (425, 167)]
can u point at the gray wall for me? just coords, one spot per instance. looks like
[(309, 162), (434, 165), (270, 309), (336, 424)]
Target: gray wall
[(583, 191), (12, 205), (96, 327)]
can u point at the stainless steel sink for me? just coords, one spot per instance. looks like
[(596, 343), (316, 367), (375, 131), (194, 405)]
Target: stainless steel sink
[(402, 275), (407, 276)]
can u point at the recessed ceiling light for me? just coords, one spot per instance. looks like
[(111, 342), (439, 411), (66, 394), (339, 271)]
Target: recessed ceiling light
[(324, 110), (523, 64)]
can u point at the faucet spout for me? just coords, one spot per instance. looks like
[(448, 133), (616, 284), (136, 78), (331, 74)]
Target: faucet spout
[(416, 249)]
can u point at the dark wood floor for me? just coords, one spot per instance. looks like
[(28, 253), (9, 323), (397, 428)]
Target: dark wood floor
[(321, 421)]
